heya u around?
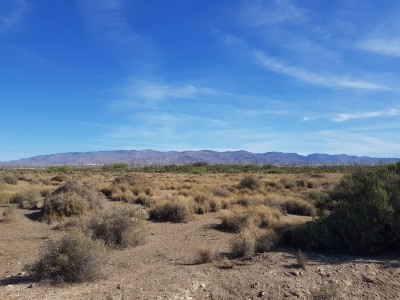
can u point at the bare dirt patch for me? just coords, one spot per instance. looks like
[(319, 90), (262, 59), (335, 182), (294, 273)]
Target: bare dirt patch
[(166, 267)]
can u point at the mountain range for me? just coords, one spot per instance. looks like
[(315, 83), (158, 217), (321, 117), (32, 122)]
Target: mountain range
[(151, 157)]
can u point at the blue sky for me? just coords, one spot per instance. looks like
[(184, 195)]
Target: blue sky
[(299, 76)]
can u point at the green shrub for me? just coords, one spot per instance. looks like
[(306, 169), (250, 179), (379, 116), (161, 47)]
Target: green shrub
[(367, 219), (120, 167), (74, 258), (120, 226), (59, 169)]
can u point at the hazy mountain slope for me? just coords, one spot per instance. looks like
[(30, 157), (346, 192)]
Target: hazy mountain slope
[(151, 157)]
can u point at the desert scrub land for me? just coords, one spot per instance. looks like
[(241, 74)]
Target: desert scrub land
[(200, 232)]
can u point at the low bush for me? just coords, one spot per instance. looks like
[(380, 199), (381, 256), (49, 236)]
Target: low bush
[(71, 199), (8, 214), (301, 259), (329, 291), (244, 245), (267, 241), (172, 210), (28, 199), (249, 182), (366, 220), (207, 254), (11, 179), (239, 218), (298, 207), (74, 258), (120, 226)]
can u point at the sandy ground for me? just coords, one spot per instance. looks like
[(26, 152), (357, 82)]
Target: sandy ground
[(166, 268)]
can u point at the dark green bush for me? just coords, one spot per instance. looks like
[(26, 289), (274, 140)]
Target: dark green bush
[(366, 220)]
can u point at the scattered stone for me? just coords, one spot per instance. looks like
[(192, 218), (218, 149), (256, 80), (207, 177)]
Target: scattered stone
[(254, 285), (368, 279), (294, 293), (294, 273)]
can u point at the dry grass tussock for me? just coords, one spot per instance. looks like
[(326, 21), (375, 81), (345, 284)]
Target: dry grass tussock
[(130, 188), (73, 258), (8, 214), (207, 254), (71, 199), (237, 219), (119, 226), (173, 209)]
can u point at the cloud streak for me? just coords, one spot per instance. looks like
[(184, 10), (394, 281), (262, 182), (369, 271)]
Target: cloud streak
[(13, 13), (383, 46), (366, 115), (261, 13), (314, 78)]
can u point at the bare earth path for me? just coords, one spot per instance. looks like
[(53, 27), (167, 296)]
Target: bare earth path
[(165, 268)]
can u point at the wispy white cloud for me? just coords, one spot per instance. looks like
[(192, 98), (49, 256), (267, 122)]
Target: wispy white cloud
[(366, 115), (384, 46), (150, 93), (261, 13), (107, 23), (331, 81), (12, 12)]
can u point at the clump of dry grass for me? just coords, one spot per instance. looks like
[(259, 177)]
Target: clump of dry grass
[(301, 259), (239, 218), (329, 291), (120, 226), (177, 209), (10, 179), (207, 254), (73, 258), (290, 205), (267, 241), (129, 188), (26, 199), (249, 182), (8, 214), (244, 245), (71, 199)]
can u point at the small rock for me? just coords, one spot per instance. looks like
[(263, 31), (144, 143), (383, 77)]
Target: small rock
[(254, 285), (21, 273), (294, 293), (347, 282), (118, 286), (294, 273), (10, 287), (31, 286), (261, 294), (368, 279)]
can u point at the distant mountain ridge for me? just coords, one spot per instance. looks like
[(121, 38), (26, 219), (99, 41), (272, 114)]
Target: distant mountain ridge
[(151, 157)]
